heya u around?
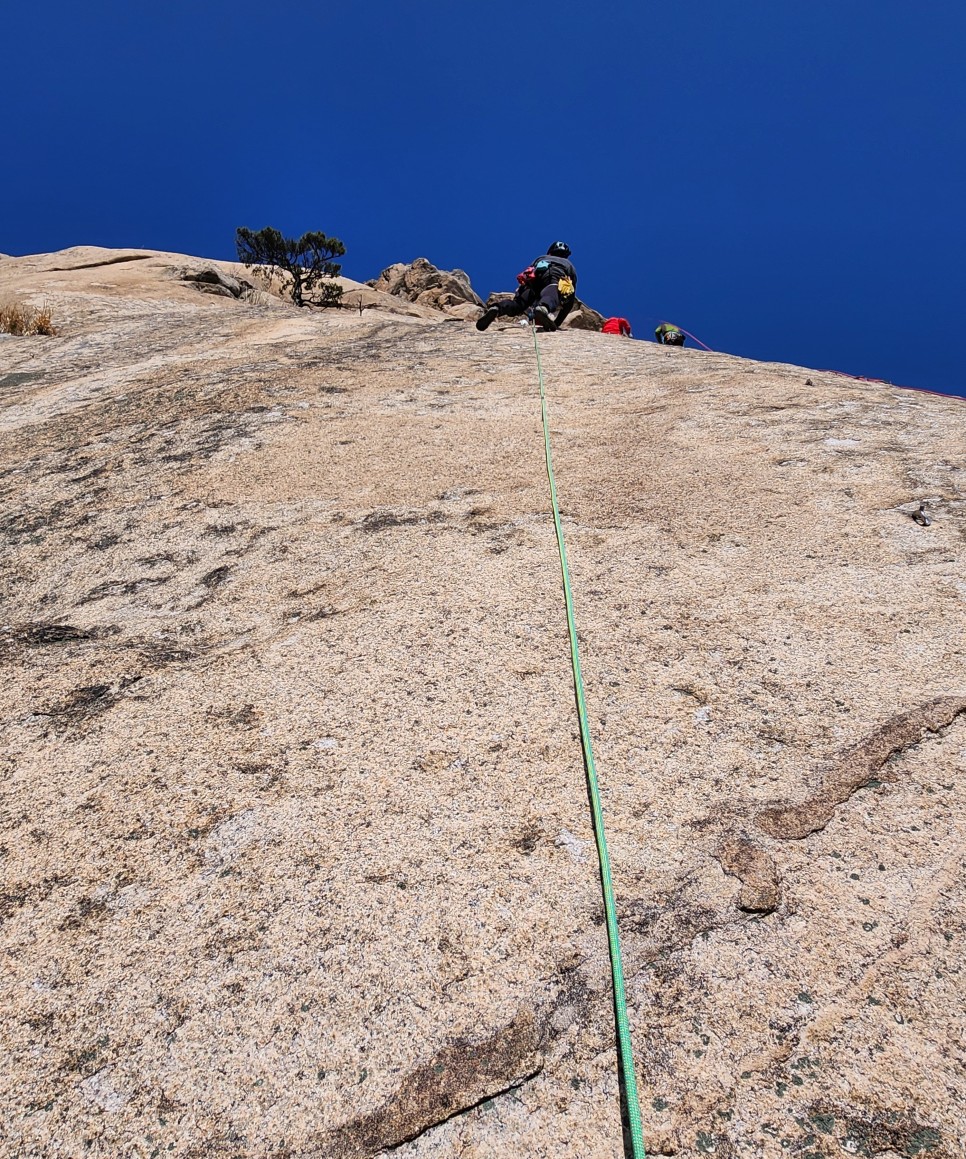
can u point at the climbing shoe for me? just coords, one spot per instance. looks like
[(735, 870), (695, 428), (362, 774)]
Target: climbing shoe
[(541, 318), (489, 315)]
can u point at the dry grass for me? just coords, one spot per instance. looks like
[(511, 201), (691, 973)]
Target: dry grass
[(18, 318)]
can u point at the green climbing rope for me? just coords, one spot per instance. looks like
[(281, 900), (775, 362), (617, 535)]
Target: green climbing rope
[(625, 1056)]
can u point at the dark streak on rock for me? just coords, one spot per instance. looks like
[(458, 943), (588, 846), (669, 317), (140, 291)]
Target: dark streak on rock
[(217, 576), (670, 922), (106, 262), (856, 766), (17, 895), (460, 1076), (120, 588), (91, 698), (87, 911), (874, 1130), (43, 635), (382, 520)]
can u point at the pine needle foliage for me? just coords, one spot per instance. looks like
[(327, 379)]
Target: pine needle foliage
[(307, 260)]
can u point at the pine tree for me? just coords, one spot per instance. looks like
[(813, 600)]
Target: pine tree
[(308, 260)]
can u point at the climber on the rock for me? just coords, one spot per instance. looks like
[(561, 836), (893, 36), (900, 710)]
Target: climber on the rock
[(617, 326), (548, 287), (669, 335)]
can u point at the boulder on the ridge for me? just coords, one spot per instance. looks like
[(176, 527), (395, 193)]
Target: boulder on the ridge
[(213, 281), (497, 297), (421, 282), (583, 317), (270, 282)]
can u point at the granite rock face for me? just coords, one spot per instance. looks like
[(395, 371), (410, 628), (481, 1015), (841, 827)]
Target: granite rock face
[(295, 854)]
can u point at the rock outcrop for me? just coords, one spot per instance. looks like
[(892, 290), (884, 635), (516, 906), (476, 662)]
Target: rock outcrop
[(422, 283), (211, 280), (295, 856), (583, 317)]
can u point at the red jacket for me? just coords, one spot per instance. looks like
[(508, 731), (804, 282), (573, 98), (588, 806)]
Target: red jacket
[(617, 326)]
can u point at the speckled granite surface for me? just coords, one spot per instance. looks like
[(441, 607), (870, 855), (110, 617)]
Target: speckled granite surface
[(295, 851)]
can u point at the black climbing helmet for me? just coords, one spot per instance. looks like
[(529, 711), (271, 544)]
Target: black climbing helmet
[(559, 249)]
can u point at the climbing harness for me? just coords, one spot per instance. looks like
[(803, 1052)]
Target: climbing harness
[(625, 1056)]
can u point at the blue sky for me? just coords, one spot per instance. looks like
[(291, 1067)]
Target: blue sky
[(785, 181)]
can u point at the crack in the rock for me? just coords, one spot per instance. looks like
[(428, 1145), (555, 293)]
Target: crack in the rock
[(513, 1086), (107, 262), (458, 1077)]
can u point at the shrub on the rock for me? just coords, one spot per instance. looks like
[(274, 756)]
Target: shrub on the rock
[(307, 260)]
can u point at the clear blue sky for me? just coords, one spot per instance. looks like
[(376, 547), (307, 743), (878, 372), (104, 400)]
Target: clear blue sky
[(784, 180)]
